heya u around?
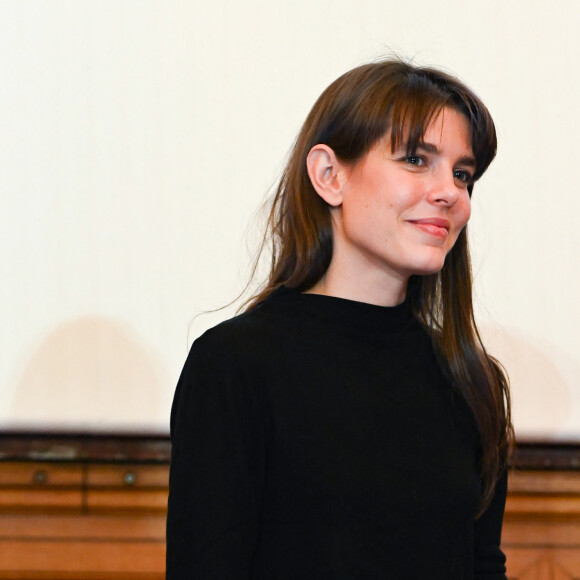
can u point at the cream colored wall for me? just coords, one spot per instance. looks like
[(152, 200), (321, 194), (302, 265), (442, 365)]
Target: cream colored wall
[(138, 139)]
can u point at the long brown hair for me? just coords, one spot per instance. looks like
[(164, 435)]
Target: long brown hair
[(350, 116)]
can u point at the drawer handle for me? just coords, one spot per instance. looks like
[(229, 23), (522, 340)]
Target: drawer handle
[(130, 478), (40, 477)]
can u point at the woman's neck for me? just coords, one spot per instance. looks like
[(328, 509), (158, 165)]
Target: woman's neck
[(376, 292)]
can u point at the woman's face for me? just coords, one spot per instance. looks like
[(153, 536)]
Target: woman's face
[(400, 215)]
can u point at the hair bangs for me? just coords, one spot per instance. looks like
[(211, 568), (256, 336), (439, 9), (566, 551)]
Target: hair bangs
[(410, 119)]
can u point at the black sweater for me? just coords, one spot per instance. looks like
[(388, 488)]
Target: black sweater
[(316, 438)]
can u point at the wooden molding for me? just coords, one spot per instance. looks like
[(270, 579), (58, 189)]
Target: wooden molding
[(141, 447)]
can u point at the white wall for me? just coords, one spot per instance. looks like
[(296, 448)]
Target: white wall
[(139, 138)]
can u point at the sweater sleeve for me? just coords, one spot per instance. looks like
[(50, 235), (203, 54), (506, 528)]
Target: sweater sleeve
[(217, 469), (489, 559)]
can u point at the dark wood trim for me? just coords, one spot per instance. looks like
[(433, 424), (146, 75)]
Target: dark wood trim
[(156, 448), (85, 447), (547, 455)]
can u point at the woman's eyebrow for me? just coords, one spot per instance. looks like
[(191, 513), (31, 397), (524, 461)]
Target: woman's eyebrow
[(468, 160)]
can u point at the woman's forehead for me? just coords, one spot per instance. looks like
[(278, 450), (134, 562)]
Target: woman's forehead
[(415, 128)]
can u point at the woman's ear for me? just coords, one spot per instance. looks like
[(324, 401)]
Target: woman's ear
[(326, 173)]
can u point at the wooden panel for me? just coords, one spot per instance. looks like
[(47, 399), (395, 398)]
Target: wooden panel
[(525, 564), (543, 482), (82, 527), (540, 532), (40, 499), (567, 563), (128, 475), (84, 575), (134, 499), (539, 504), (73, 556), (14, 473)]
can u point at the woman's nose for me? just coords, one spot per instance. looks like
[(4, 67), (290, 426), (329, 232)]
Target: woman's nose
[(444, 190)]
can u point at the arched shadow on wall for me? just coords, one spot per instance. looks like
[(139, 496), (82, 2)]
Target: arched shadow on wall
[(92, 373), (542, 396)]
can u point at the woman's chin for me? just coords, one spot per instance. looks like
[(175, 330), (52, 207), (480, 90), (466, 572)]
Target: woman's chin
[(429, 267)]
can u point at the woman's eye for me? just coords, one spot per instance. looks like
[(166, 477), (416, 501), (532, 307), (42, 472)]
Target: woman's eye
[(463, 176), (415, 160)]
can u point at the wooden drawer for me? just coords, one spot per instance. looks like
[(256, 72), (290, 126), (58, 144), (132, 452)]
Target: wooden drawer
[(40, 474), (127, 487), (128, 476), (34, 486)]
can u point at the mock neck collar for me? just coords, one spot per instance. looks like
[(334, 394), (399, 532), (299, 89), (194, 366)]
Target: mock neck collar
[(345, 312)]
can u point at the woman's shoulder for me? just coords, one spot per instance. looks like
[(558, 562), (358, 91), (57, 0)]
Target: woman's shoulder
[(251, 331), (235, 356)]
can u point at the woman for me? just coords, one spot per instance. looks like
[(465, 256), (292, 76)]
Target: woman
[(350, 424)]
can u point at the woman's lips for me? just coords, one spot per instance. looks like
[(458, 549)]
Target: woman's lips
[(437, 227)]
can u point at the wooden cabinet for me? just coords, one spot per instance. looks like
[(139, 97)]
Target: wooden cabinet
[(541, 533), (94, 508), (100, 514)]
